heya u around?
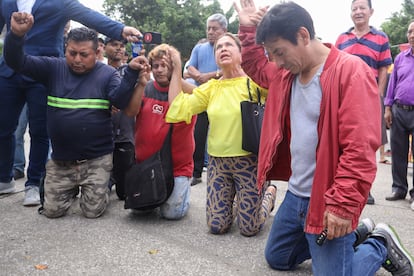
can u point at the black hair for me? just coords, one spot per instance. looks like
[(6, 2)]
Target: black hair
[(284, 21), (83, 34)]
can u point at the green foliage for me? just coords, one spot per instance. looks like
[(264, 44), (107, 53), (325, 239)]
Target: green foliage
[(181, 22), (396, 26), (1, 49)]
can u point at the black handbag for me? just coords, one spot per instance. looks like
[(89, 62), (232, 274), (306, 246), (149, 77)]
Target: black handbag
[(148, 184), (252, 117)]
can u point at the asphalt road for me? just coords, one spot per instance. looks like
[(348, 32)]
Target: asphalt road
[(121, 243)]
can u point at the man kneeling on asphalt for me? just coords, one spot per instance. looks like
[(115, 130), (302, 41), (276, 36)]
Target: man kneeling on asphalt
[(81, 92)]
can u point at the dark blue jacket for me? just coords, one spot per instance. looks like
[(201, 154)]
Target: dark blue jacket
[(46, 36), (79, 116)]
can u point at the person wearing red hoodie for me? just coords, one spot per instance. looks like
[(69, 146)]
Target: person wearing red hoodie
[(320, 134)]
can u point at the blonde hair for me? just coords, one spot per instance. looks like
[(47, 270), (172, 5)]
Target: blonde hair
[(159, 52)]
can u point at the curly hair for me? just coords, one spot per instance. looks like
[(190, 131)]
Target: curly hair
[(159, 52)]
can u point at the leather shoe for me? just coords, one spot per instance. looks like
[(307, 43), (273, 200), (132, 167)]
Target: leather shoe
[(395, 196), (371, 199)]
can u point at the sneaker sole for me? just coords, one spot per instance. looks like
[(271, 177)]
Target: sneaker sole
[(31, 203), (398, 243), (8, 191)]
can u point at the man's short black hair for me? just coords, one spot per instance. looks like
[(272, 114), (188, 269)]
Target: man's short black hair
[(109, 39), (284, 21), (83, 34)]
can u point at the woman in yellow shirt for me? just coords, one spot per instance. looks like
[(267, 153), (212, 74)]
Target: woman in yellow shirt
[(231, 171)]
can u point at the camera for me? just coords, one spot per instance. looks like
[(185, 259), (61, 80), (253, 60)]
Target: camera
[(147, 38), (151, 38)]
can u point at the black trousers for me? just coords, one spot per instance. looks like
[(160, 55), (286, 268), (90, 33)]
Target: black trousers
[(200, 137), (123, 158), (401, 128)]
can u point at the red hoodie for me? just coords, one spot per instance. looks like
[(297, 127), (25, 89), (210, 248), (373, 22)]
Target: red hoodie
[(348, 129)]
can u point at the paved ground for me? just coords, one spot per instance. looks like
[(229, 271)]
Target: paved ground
[(120, 243)]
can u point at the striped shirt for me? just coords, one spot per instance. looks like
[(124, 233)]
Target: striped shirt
[(373, 48)]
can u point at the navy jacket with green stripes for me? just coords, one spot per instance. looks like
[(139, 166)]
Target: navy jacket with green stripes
[(79, 115)]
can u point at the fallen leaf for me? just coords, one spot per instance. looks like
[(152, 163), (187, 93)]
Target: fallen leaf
[(41, 266), (153, 251)]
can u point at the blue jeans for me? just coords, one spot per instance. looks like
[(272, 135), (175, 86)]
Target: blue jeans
[(288, 245), (19, 156), (178, 203), (14, 93)]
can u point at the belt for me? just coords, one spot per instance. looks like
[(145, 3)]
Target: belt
[(70, 162), (405, 106)]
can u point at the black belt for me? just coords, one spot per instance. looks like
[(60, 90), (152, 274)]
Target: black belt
[(405, 106), (70, 162)]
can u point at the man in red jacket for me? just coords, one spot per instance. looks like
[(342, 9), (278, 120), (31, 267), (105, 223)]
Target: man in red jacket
[(319, 134)]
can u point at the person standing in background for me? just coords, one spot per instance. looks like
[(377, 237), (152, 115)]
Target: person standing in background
[(399, 116), (201, 68), (101, 51), (123, 125), (373, 47), (45, 38)]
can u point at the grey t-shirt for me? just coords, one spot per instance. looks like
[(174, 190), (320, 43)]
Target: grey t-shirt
[(304, 116)]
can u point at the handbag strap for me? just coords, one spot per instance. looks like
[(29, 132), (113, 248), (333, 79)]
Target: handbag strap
[(250, 94), (167, 141)]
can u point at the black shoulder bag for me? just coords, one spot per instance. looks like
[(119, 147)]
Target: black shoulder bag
[(148, 184), (252, 117)]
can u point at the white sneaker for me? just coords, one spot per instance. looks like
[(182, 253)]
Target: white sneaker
[(31, 197), (7, 188), (412, 206)]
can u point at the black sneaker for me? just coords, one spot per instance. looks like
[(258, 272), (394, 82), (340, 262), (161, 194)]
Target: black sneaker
[(363, 231), (399, 262), (196, 180)]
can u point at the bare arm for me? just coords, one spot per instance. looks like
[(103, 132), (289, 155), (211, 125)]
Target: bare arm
[(202, 77), (176, 77), (187, 87), (382, 80)]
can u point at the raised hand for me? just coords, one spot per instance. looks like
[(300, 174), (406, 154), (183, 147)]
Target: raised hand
[(248, 14), (173, 59), (139, 63), (21, 23)]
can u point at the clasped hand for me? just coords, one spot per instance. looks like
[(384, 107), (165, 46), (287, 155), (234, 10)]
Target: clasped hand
[(21, 23)]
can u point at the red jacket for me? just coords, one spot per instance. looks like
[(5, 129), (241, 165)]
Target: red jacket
[(348, 128)]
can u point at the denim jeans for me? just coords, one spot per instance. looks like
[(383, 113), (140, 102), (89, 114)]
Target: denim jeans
[(178, 203), (14, 93), (288, 245), (19, 155)]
